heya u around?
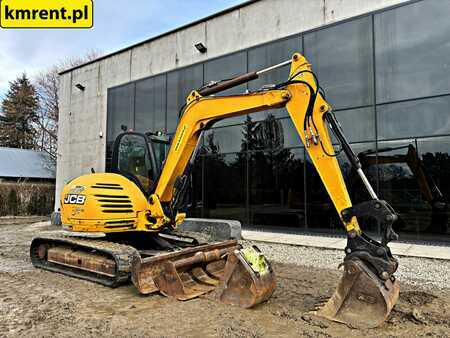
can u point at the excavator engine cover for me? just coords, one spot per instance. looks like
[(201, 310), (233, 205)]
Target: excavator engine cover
[(224, 270), (362, 299)]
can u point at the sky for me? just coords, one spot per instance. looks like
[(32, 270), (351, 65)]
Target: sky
[(117, 24)]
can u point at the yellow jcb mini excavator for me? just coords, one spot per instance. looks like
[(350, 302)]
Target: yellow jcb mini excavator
[(136, 211)]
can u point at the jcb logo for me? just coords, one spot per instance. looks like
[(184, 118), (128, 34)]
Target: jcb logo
[(74, 199)]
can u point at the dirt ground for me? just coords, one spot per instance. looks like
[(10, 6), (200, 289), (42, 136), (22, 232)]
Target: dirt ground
[(36, 303)]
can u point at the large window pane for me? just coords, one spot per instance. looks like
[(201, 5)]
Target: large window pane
[(276, 181), (120, 109), (321, 215), (225, 68), (416, 118), (225, 187), (108, 157), (341, 56), (291, 138), (151, 104), (435, 156), (179, 84), (358, 124), (406, 182), (195, 192), (265, 134), (225, 139), (269, 55), (412, 51)]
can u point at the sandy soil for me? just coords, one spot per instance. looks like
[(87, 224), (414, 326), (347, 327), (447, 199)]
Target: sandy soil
[(36, 303)]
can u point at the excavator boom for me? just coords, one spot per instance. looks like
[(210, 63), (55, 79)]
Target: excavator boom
[(368, 289)]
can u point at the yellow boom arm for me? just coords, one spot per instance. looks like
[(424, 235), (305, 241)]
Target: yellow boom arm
[(201, 112)]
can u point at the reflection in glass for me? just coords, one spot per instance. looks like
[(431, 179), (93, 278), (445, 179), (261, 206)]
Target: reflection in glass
[(434, 153), (291, 137), (322, 215), (225, 187), (409, 181), (150, 106), (224, 140), (276, 183), (195, 192), (260, 135), (108, 156), (120, 110)]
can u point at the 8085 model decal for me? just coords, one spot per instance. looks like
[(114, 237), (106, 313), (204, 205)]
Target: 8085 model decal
[(74, 199)]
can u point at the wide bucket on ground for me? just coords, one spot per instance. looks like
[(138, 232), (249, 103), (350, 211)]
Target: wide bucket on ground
[(237, 276), (362, 299)]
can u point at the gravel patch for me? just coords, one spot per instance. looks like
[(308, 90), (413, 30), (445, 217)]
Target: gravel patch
[(425, 272)]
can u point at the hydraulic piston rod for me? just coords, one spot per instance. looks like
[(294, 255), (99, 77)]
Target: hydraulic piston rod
[(354, 160), (269, 69), (240, 79)]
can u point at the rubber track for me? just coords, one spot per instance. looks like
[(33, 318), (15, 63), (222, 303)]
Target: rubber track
[(121, 254)]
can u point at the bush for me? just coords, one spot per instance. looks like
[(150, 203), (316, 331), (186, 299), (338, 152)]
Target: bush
[(25, 198), (12, 202)]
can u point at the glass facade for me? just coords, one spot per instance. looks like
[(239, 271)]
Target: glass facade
[(387, 75)]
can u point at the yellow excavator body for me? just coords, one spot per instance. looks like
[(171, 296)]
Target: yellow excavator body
[(103, 202)]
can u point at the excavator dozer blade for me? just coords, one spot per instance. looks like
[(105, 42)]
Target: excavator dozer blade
[(361, 300), (222, 269)]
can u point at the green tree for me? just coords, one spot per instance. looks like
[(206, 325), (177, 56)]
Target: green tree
[(19, 108)]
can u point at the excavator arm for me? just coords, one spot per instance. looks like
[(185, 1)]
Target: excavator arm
[(368, 285), (299, 95), (310, 114)]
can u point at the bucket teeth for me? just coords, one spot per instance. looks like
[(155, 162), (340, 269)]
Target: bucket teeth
[(200, 275), (320, 305), (321, 302)]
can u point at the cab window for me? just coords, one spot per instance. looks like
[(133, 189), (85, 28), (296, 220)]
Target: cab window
[(134, 159), (160, 149)]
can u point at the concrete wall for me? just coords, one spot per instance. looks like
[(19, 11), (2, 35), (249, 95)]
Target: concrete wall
[(83, 113)]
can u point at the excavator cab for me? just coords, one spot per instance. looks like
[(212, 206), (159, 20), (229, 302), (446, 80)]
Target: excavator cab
[(140, 157)]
